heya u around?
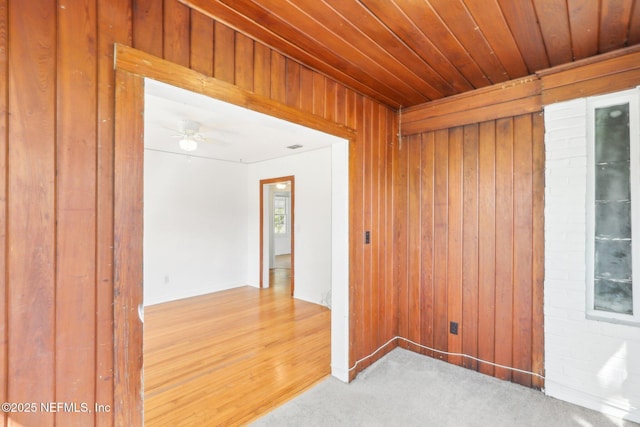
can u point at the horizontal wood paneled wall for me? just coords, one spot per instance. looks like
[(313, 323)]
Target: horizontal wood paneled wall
[(56, 184), (468, 233)]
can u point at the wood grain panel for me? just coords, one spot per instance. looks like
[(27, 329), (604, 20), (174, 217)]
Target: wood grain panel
[(480, 252), (31, 215), (110, 30), (356, 227), (330, 94), (293, 97), (386, 128), (486, 244), (319, 83), (537, 279), (440, 244), (488, 15), (75, 303), (262, 71), (419, 74), (504, 247), (355, 207), (224, 57), (427, 252), (584, 14), (614, 24), (435, 30), (302, 24), (456, 16), (4, 146), (176, 32), (290, 45), (469, 319), (128, 170), (554, 25), (414, 258), (201, 52), (369, 287), (528, 37), (634, 25), (400, 235), (148, 23), (306, 91), (278, 77), (522, 247), (411, 33), (244, 62), (454, 244)]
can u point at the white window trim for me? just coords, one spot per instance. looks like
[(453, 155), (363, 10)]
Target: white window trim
[(287, 212), (633, 98)]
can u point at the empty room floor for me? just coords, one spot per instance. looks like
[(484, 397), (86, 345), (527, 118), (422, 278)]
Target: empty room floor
[(229, 357)]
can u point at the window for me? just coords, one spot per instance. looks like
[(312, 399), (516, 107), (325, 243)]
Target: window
[(280, 214), (613, 190)]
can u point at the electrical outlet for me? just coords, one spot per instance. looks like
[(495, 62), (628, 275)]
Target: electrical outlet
[(453, 328), (367, 237)]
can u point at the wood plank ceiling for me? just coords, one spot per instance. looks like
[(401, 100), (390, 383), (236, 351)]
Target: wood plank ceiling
[(408, 52)]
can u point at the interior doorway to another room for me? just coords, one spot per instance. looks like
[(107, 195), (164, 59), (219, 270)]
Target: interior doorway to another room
[(277, 226)]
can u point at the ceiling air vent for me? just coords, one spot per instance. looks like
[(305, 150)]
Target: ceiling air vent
[(294, 147)]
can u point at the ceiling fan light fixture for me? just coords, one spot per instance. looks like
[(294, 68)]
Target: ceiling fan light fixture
[(188, 144)]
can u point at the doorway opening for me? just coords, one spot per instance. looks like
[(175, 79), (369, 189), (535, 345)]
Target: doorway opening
[(277, 230), (132, 67)]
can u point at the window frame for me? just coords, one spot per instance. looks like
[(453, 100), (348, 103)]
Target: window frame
[(287, 200), (632, 97)]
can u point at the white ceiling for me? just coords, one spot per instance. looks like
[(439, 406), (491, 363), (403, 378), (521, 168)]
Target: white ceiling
[(232, 133)]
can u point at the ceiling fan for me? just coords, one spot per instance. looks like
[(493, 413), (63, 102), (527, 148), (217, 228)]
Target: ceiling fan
[(188, 132)]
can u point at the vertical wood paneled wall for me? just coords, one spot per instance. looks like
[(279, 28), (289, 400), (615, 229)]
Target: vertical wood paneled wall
[(468, 230), (56, 184)]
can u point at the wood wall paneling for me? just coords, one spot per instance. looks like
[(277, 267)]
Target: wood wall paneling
[(224, 57), (128, 186), (454, 259), (608, 73), (201, 36), (470, 216), (58, 170), (114, 25), (31, 215), (487, 243), (523, 247), (504, 246), (537, 278), (4, 145), (148, 24), (472, 198), (413, 150), (244, 60), (75, 302), (400, 236), (441, 242), (176, 32), (427, 184)]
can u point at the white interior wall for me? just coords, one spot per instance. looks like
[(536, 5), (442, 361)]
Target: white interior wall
[(587, 362), (312, 228), (195, 234)]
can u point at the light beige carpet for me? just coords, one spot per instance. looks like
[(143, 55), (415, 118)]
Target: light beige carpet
[(407, 389)]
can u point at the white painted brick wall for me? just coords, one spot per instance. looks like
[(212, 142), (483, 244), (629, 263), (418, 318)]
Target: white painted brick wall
[(587, 362)]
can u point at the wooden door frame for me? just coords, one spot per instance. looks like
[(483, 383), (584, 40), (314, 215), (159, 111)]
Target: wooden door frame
[(131, 68), (264, 182)]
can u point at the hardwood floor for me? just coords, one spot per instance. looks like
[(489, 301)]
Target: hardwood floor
[(226, 358)]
